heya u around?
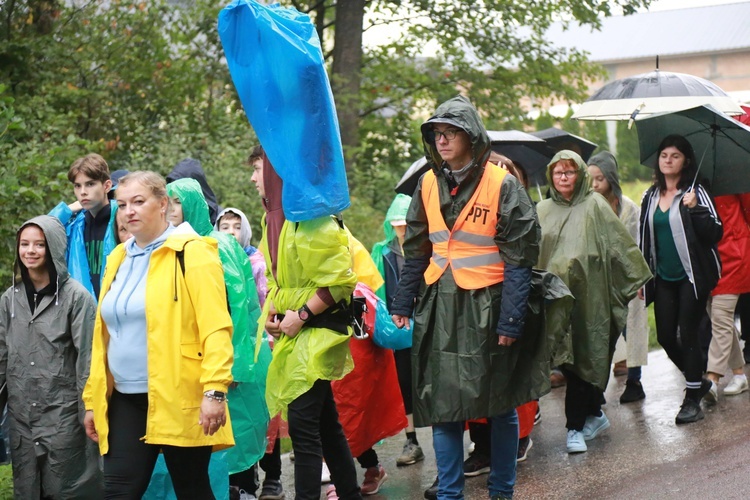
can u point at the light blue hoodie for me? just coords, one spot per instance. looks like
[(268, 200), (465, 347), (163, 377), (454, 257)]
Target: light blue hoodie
[(124, 313)]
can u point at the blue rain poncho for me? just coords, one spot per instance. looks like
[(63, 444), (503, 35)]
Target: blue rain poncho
[(277, 66)]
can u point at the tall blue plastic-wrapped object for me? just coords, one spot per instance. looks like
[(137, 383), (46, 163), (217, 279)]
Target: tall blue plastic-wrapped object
[(276, 63)]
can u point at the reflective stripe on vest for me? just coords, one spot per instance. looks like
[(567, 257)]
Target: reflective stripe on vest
[(470, 247)]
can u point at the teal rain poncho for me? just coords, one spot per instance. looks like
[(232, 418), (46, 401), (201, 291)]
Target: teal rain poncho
[(247, 398), (397, 211), (584, 243)]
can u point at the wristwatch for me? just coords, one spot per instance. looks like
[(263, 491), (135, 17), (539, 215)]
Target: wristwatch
[(216, 395), (305, 314)]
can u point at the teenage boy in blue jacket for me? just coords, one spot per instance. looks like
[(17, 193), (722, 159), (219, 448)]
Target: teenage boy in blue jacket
[(89, 222)]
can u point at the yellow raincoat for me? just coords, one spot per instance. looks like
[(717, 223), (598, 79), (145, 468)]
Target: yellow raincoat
[(312, 254), (189, 344)]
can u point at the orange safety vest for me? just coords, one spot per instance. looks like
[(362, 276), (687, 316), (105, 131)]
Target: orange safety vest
[(470, 247)]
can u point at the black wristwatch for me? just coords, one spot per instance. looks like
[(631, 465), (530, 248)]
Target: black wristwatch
[(305, 314), (216, 395)]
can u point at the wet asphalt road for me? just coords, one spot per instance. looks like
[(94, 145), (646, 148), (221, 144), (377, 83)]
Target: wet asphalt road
[(643, 455)]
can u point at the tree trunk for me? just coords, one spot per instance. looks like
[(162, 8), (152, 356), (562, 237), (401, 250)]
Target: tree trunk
[(345, 72)]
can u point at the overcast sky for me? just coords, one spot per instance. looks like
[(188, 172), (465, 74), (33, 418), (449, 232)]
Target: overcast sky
[(378, 35)]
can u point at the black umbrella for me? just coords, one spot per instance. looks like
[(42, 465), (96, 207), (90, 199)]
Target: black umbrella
[(558, 140), (519, 146), (721, 145), (651, 93)]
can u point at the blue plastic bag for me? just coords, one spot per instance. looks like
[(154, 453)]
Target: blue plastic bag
[(387, 334), (277, 66)]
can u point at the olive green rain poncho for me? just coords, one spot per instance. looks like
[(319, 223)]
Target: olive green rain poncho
[(584, 243), (459, 370), (44, 359), (247, 398)]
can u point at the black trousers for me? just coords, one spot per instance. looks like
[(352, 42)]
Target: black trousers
[(316, 434), (582, 399), (130, 462), (481, 435), (678, 313), (271, 462), (403, 370)]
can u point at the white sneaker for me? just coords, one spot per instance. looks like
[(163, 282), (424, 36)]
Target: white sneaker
[(712, 396), (325, 475), (738, 385)]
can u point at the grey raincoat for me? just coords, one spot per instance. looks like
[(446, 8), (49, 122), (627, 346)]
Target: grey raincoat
[(44, 359), (459, 370)]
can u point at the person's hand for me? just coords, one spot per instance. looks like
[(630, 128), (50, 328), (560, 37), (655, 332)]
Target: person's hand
[(75, 207), (640, 294), (88, 425), (689, 199), (505, 341), (291, 324), (400, 321), (272, 323), (213, 415)]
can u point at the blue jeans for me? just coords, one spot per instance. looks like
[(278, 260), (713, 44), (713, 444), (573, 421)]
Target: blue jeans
[(448, 441)]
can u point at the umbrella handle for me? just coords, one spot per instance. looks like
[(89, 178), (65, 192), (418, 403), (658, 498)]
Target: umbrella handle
[(700, 163), (634, 114)]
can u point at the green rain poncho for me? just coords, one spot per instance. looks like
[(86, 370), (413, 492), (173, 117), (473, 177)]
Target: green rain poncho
[(584, 243), (312, 254), (459, 372), (397, 211), (246, 398)]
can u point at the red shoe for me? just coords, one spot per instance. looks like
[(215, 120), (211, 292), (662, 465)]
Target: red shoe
[(374, 478)]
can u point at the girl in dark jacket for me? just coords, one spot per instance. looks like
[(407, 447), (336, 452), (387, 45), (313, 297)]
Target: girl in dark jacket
[(679, 232)]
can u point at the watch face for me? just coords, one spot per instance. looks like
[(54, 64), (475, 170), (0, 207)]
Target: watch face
[(303, 315)]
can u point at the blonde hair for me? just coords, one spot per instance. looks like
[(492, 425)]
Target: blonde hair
[(150, 180)]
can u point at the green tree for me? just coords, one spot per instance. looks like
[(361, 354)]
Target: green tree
[(628, 154)]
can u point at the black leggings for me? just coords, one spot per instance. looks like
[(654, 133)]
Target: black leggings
[(316, 434), (582, 399), (677, 310), (130, 462)]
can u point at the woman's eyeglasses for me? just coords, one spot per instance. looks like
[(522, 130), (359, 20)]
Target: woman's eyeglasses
[(568, 174)]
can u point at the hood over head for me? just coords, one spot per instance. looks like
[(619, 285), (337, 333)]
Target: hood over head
[(246, 232), (459, 112), (194, 207), (57, 245), (607, 163), (191, 168), (582, 186)]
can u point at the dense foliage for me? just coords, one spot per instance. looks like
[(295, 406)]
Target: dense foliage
[(145, 85)]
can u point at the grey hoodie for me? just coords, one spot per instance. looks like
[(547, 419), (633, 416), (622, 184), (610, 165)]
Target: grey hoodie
[(607, 163)]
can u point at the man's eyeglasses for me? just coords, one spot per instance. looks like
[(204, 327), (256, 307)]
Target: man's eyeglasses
[(568, 174), (449, 134)]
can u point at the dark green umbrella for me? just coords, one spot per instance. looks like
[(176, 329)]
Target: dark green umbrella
[(721, 145)]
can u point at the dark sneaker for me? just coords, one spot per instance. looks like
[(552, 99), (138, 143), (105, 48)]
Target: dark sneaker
[(690, 411), (476, 465), (374, 478), (272, 490), (431, 492), (524, 445), (411, 454), (633, 392)]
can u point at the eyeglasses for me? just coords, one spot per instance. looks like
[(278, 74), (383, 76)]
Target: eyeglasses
[(449, 134), (568, 174)]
